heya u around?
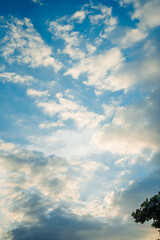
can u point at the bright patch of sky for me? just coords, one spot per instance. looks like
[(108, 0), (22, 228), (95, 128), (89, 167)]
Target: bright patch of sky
[(79, 125)]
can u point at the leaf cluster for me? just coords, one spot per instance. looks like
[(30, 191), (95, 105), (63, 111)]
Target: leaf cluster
[(149, 209)]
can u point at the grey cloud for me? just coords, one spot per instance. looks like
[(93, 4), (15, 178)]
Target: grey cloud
[(41, 218), (54, 178), (156, 159), (30, 202), (60, 225), (131, 198)]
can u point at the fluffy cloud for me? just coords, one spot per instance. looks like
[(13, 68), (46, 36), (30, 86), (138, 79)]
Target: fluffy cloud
[(41, 192), (35, 184), (147, 13), (31, 172), (133, 128), (37, 93), (23, 44), (111, 161), (5, 146), (100, 70), (133, 36)]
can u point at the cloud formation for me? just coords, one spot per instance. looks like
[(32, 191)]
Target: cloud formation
[(16, 78), (81, 152), (148, 15), (99, 69), (119, 136), (23, 44), (70, 109), (40, 2)]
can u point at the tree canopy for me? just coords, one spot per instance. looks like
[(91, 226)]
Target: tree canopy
[(149, 209)]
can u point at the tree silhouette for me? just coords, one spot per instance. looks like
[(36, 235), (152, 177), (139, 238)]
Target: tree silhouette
[(149, 209)]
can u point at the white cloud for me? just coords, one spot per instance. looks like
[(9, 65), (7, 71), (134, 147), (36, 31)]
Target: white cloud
[(145, 70), (133, 36), (74, 52), (6, 146), (16, 78), (23, 44), (104, 17), (37, 93), (79, 15), (132, 129), (72, 39), (52, 124), (69, 109), (101, 70), (147, 13), (77, 43), (104, 13), (91, 48)]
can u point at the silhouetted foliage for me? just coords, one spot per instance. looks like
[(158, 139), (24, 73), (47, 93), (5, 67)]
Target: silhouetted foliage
[(149, 209)]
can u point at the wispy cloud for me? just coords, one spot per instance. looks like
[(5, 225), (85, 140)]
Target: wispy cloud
[(70, 109), (76, 43), (105, 18), (79, 16), (23, 44), (40, 2), (16, 78), (71, 38)]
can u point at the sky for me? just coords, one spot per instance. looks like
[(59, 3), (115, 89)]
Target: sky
[(79, 124)]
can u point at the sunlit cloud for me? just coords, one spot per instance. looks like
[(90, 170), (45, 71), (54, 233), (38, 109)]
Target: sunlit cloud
[(69, 109), (36, 93)]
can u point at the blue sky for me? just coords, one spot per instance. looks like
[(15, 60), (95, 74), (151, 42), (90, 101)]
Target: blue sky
[(79, 126)]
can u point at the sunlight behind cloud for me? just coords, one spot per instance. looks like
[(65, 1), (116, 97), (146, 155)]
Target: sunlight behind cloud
[(79, 126)]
